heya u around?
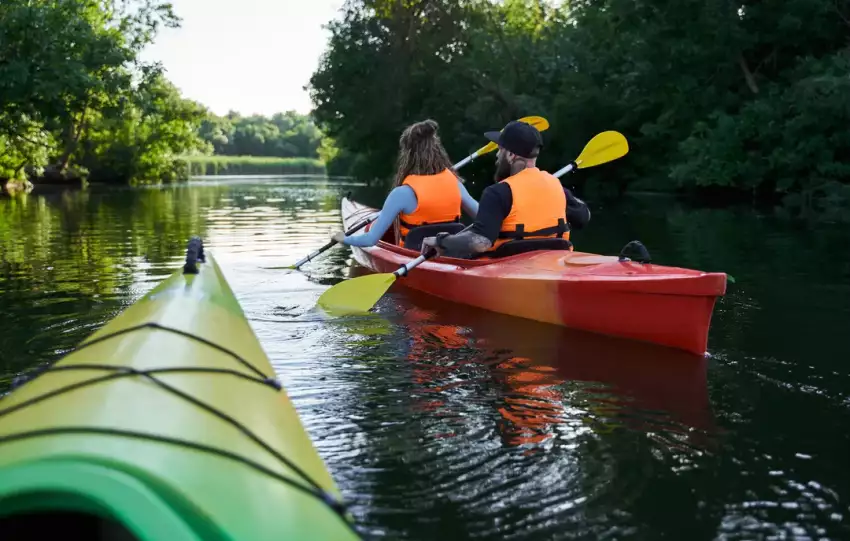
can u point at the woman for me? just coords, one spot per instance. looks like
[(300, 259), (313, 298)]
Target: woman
[(425, 190)]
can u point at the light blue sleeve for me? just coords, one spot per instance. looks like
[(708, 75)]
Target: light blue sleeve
[(401, 199), (470, 205)]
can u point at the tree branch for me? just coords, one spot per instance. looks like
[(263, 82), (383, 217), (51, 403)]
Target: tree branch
[(500, 33), (838, 11), (748, 75), (483, 83)]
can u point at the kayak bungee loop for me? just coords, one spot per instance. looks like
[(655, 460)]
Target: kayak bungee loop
[(337, 506), (118, 372), (270, 381), (638, 252), (194, 253)]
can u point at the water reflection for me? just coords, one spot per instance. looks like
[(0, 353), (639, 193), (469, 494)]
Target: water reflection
[(538, 368), (508, 427), (70, 259)]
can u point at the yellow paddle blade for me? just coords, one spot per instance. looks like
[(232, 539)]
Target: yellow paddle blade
[(489, 147), (356, 295), (537, 121), (605, 147)]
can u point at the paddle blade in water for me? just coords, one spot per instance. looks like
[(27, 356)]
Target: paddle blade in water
[(357, 295), (605, 147)]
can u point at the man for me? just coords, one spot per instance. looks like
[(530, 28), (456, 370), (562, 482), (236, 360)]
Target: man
[(525, 202)]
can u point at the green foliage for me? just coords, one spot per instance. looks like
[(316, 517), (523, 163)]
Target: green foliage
[(75, 97), (250, 165), (285, 135), (142, 138), (28, 145), (339, 162), (792, 140), (743, 96)]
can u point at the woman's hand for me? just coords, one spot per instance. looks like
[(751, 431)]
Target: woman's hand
[(339, 236)]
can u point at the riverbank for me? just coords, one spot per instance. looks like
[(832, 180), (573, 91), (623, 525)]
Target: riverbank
[(13, 187), (190, 167)]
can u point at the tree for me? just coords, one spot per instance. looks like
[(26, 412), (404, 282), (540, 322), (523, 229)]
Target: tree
[(74, 94), (691, 83), (141, 137), (66, 59), (283, 135)]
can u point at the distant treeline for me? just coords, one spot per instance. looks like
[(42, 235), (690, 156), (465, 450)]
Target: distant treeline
[(284, 135), (743, 99), (252, 165)]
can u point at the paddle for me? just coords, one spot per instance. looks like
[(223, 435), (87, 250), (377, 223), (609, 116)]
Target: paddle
[(361, 293), (537, 121), (603, 148), (330, 243)]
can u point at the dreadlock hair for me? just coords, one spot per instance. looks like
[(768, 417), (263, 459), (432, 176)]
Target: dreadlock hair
[(421, 152)]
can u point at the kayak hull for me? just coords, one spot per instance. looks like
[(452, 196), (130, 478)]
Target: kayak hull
[(664, 305), (167, 423)]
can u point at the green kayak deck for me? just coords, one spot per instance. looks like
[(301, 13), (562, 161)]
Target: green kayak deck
[(167, 424)]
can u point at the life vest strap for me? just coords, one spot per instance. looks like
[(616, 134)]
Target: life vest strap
[(411, 226), (520, 232)]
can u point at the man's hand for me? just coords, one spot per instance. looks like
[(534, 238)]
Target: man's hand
[(465, 242), (428, 243), (339, 236)]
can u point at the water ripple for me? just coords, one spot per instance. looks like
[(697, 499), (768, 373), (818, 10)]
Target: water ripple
[(442, 421)]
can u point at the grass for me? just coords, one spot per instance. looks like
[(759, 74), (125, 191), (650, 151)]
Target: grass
[(252, 165)]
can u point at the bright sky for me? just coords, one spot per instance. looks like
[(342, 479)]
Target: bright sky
[(250, 56)]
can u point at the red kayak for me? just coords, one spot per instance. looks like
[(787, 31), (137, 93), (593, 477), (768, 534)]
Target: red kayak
[(669, 306)]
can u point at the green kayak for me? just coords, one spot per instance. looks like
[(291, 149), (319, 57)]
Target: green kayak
[(167, 424)]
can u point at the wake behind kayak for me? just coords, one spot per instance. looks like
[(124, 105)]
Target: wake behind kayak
[(167, 423)]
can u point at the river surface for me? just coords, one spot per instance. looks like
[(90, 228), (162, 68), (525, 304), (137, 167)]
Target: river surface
[(444, 422)]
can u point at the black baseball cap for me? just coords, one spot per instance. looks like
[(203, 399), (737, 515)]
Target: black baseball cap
[(517, 137)]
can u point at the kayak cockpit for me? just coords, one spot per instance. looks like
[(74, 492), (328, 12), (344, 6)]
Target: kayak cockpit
[(87, 500), (34, 526)]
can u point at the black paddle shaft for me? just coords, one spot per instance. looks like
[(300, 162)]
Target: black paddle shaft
[(330, 243), (354, 229)]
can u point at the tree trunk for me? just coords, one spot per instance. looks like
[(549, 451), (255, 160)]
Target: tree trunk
[(748, 75), (483, 83), (73, 142)]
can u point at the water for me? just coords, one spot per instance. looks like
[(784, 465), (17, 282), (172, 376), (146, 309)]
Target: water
[(445, 422)]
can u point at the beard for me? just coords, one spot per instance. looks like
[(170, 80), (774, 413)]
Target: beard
[(503, 170)]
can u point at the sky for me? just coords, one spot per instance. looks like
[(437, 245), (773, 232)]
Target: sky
[(249, 56)]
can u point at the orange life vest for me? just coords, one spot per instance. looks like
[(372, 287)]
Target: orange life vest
[(539, 208), (438, 201)]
